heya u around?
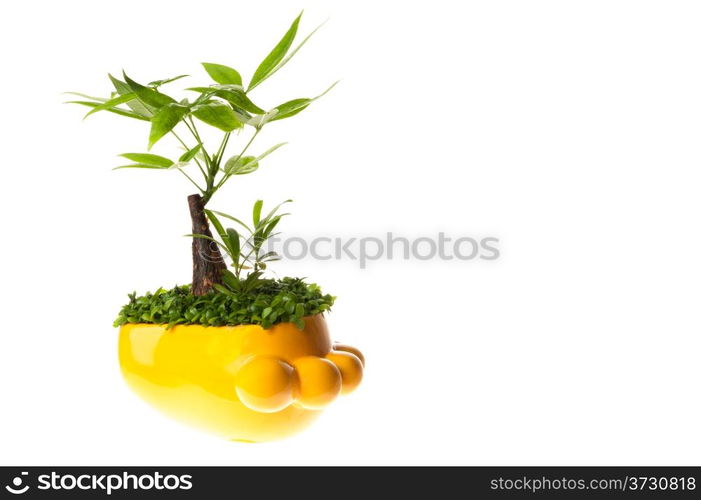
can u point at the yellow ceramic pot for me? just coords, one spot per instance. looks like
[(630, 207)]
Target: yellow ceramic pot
[(243, 383)]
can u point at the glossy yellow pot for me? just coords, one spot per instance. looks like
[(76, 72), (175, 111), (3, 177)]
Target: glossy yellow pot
[(243, 383)]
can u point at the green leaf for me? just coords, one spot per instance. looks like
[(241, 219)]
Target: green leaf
[(148, 95), (274, 211), (231, 217), (227, 86), (218, 115), (241, 166), (118, 111), (201, 236), (270, 150), (140, 165), (259, 120), (216, 223), (148, 159), (233, 243), (271, 225), (294, 51), (165, 120), (136, 106), (299, 311), (92, 98), (276, 55), (291, 108), (270, 256), (111, 103), (242, 116), (247, 164), (240, 100), (230, 280), (206, 93), (190, 154), (222, 74), (157, 83), (257, 207), (222, 289), (236, 97)]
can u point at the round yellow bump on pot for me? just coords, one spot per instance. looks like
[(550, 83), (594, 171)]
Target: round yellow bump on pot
[(264, 384), (318, 382), (351, 369), (350, 349)]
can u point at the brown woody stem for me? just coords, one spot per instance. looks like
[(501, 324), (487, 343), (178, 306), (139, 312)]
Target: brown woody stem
[(207, 262)]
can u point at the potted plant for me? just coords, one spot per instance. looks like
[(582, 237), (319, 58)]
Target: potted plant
[(237, 353)]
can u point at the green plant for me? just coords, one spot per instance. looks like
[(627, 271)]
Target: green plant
[(248, 256), (272, 301), (226, 106)]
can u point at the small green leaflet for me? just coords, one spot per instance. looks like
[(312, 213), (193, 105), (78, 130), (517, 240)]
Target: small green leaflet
[(294, 51), (291, 108), (92, 98), (136, 106), (233, 243), (271, 214), (139, 165), (148, 159), (239, 99), (242, 166), (259, 120), (270, 150), (222, 74), (247, 164), (257, 207), (276, 55), (157, 83), (190, 154), (148, 95), (118, 111), (165, 120), (111, 103), (216, 223), (222, 214), (218, 115), (234, 95)]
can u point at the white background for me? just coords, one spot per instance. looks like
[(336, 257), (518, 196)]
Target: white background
[(570, 130)]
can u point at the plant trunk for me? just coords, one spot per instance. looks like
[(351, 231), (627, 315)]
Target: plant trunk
[(207, 262)]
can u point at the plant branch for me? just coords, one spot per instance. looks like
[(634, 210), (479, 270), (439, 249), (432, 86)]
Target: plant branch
[(191, 180), (196, 135), (222, 148)]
